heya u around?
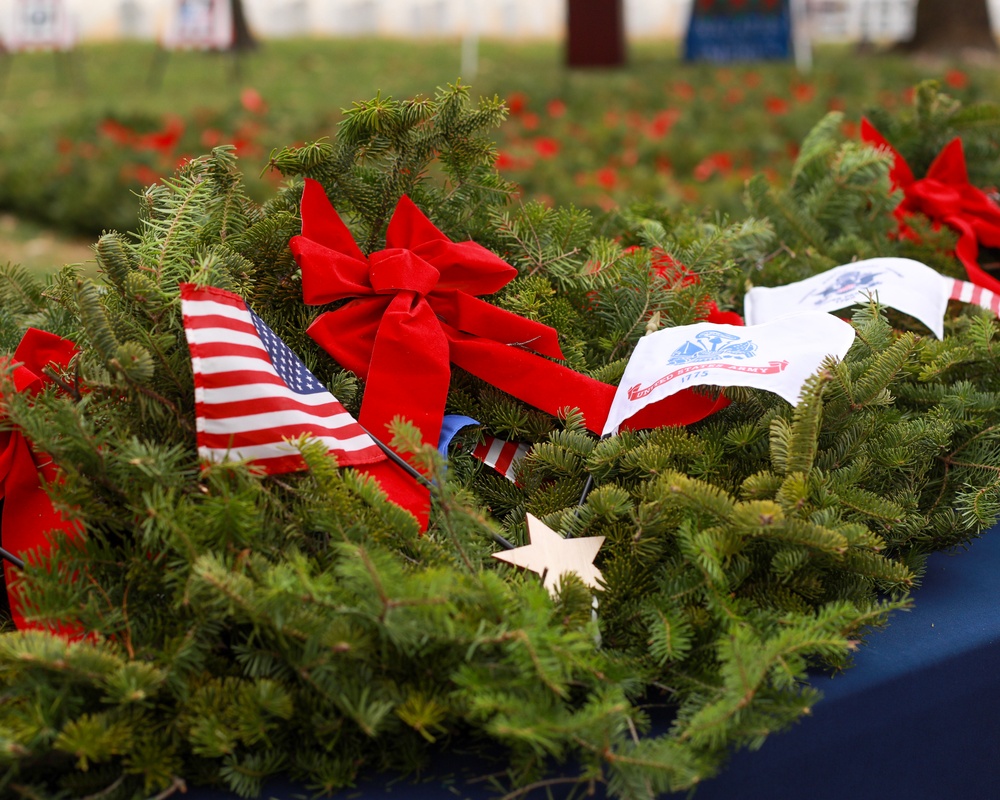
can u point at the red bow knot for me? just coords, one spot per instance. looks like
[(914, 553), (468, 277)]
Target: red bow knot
[(413, 310), (945, 196), (401, 270)]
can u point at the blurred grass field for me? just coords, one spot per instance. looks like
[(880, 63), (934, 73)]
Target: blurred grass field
[(657, 129)]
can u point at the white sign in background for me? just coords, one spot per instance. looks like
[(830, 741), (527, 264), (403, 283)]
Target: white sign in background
[(778, 356), (200, 25), (38, 25)]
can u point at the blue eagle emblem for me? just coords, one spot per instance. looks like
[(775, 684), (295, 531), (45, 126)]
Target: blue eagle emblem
[(713, 344), (846, 285)]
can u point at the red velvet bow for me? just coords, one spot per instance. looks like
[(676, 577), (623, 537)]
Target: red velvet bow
[(413, 311), (945, 196), (28, 513)]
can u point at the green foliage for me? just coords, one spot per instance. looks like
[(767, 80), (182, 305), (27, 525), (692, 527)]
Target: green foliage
[(239, 625), (385, 149), (677, 134)]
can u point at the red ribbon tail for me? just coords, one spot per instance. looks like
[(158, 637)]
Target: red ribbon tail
[(967, 251), (540, 383), (28, 515), (409, 372), (684, 408), (552, 387)]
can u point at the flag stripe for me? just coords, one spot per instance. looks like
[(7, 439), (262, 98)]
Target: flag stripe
[(968, 292), (220, 339), (250, 381), (520, 452), (506, 459), (236, 363), (252, 394), (223, 442), (493, 453), (503, 456), (283, 423), (237, 401)]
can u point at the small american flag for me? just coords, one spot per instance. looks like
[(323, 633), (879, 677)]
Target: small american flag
[(977, 295), (502, 455), (253, 394)]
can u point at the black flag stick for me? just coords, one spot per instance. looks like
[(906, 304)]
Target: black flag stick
[(399, 461), (6, 555), (414, 473), (589, 485)]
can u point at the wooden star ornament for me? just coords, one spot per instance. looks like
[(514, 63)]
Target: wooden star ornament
[(552, 556)]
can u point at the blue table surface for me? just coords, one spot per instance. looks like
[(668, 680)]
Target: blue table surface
[(917, 716)]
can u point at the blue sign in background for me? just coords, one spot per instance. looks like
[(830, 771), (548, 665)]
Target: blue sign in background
[(730, 30)]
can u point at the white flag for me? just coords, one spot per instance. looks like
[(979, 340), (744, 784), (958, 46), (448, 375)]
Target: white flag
[(900, 283), (778, 357)]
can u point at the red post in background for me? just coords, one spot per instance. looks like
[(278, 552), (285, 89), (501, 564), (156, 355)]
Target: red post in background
[(596, 35)]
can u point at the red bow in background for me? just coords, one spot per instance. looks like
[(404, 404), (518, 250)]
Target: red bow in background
[(28, 514), (945, 196), (664, 265), (413, 311)]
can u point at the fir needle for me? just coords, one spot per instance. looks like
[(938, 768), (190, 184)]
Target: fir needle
[(410, 470)]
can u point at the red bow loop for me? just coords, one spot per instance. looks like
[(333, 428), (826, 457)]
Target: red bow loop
[(463, 265), (949, 166), (932, 198), (37, 350), (28, 513), (330, 276), (467, 266), (321, 224)]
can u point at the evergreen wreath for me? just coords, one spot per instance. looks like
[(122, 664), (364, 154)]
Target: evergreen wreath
[(232, 626)]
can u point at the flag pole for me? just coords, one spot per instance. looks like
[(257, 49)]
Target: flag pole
[(589, 485), (399, 461), (6, 555), (419, 477)]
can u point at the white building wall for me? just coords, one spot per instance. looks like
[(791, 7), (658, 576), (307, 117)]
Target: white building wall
[(829, 19)]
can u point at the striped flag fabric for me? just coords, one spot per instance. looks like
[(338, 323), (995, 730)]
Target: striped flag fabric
[(253, 394), (976, 295), (502, 455)]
